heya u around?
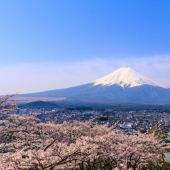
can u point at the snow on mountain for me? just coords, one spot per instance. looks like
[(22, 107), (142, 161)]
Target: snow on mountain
[(125, 77)]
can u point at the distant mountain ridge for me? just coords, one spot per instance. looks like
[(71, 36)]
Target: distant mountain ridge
[(39, 104), (122, 86)]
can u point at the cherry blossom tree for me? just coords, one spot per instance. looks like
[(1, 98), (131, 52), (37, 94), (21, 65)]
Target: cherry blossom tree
[(28, 144)]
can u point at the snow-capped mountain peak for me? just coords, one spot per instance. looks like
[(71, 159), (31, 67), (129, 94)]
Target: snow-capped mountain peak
[(125, 77)]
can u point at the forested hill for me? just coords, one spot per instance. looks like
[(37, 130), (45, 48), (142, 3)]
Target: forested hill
[(39, 104)]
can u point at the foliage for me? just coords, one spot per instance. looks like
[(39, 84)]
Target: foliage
[(27, 144), (159, 166)]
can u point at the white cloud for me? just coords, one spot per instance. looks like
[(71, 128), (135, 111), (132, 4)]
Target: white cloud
[(47, 76)]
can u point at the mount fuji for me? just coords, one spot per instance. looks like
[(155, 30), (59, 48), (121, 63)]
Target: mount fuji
[(121, 86), (126, 77)]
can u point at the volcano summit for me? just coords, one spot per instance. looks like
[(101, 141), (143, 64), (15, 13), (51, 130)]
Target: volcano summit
[(125, 77), (122, 86)]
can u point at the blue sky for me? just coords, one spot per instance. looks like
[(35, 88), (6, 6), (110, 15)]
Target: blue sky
[(61, 43)]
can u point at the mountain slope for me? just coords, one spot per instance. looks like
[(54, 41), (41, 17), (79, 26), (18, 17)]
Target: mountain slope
[(122, 86)]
